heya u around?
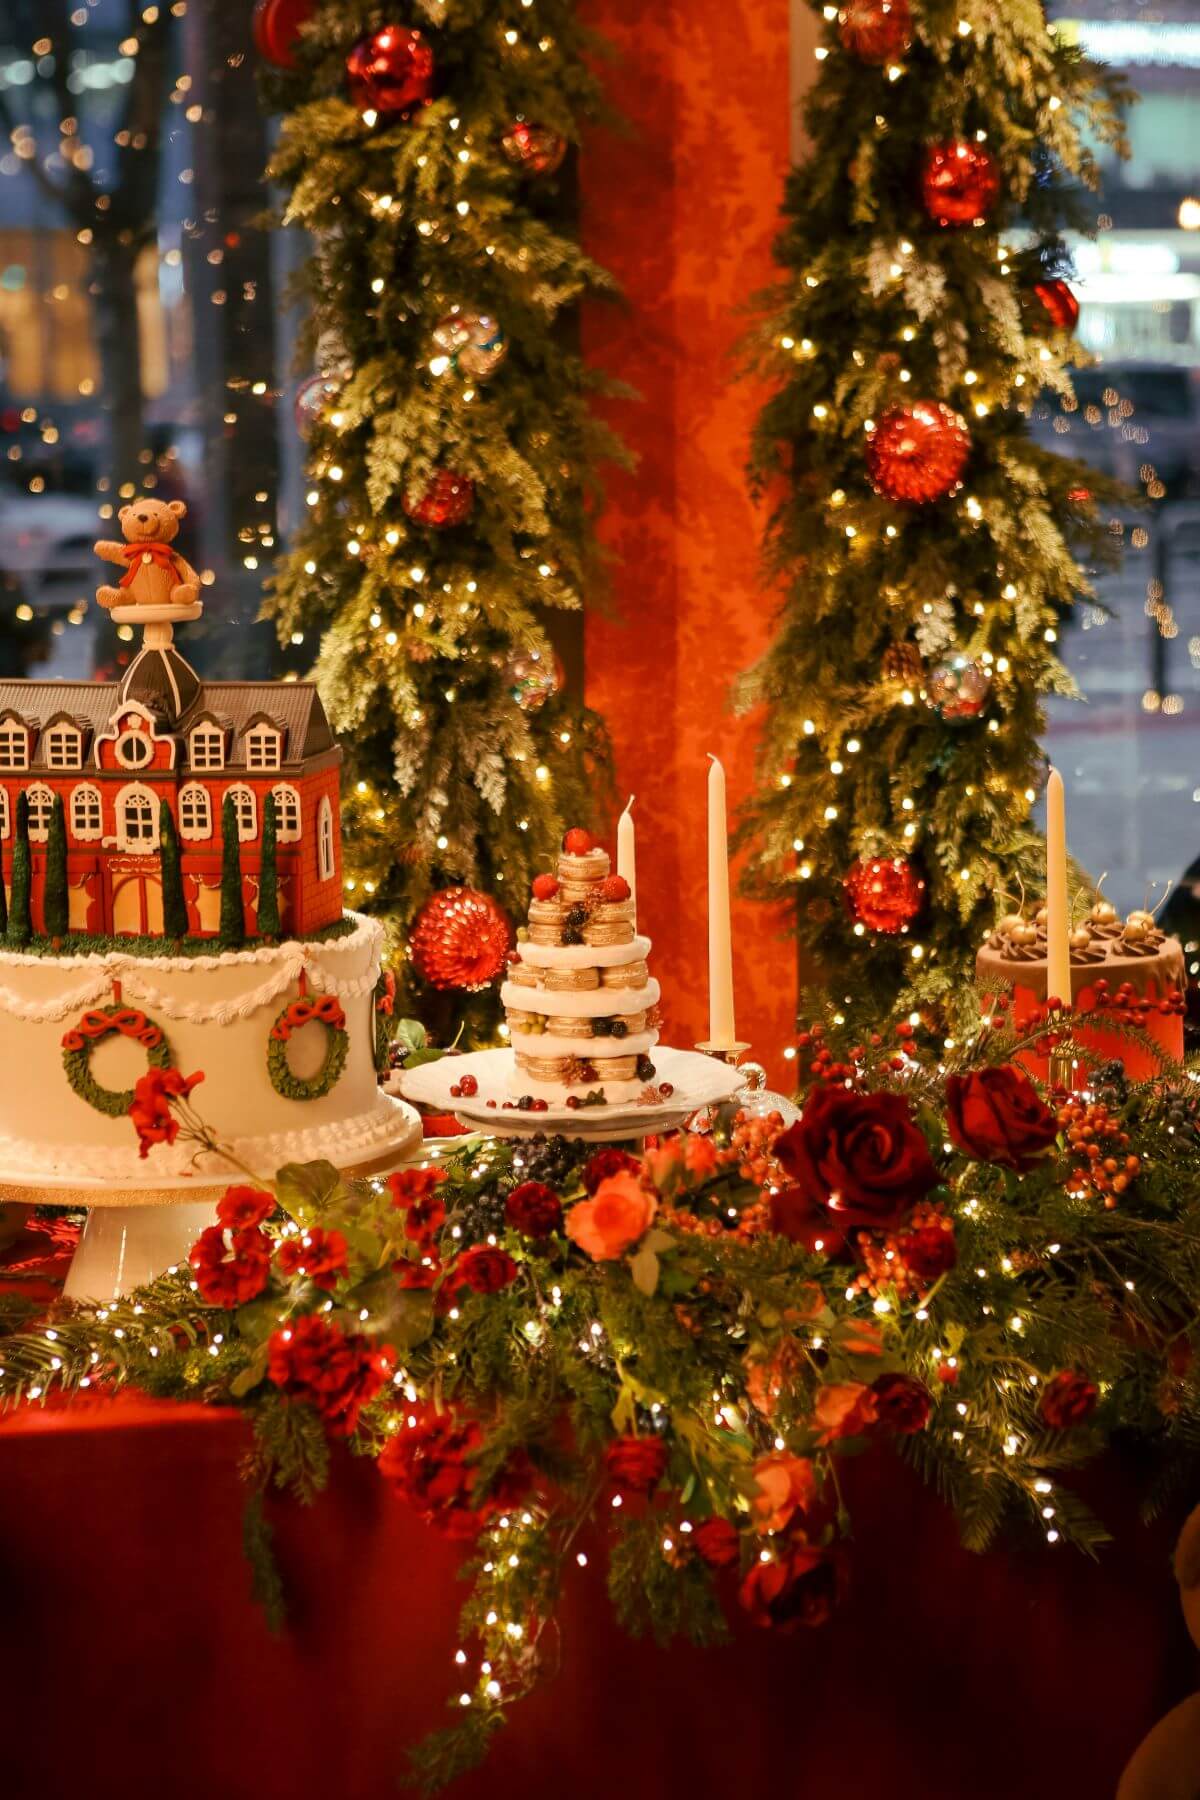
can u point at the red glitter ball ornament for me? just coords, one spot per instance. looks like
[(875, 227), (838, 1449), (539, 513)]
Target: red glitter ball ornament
[(448, 500), (533, 148), (391, 71), (275, 26), (918, 452), (884, 893), (461, 940), (959, 182), (876, 31), (1058, 304)]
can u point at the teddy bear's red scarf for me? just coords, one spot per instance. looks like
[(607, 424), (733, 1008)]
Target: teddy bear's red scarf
[(160, 554)]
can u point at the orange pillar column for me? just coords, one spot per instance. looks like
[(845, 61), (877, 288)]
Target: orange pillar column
[(683, 211)]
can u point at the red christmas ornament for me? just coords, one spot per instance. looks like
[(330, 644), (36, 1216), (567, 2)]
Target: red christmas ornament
[(461, 940), (918, 452), (884, 893), (391, 71), (876, 31), (1058, 303), (275, 26), (533, 148), (448, 500), (959, 182)]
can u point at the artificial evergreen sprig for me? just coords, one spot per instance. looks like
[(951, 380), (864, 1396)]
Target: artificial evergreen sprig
[(879, 307), (450, 780)]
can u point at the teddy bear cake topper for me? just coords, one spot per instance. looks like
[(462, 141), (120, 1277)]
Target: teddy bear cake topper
[(159, 584)]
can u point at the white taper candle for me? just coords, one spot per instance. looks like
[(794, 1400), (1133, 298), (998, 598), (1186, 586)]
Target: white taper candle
[(627, 852), (721, 1032), (1058, 916)]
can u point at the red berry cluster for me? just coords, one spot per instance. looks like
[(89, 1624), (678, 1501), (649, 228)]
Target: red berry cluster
[(1095, 1135), (466, 1085), (823, 1066), (1128, 1007), (910, 1258)]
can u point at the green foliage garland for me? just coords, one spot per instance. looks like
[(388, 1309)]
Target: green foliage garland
[(55, 899), (879, 307), (450, 781), (80, 1041), (1002, 1308), (323, 1010), (20, 915)]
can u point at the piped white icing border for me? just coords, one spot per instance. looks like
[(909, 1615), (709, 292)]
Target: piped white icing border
[(584, 956)]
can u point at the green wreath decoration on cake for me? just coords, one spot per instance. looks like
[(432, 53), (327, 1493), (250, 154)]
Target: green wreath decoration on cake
[(324, 1009), (95, 1025), (384, 1021)]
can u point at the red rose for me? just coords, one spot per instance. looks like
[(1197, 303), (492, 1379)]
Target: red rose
[(230, 1267), (408, 1185), (717, 1542), (150, 1110), (929, 1251), (604, 1163), (843, 1409), (1068, 1398), (317, 1253), (534, 1210), (903, 1404), (795, 1215), (484, 1270), (423, 1274), (998, 1116), (859, 1155), (799, 1587), (241, 1208), (312, 1360), (635, 1465), (430, 1464), (425, 1216)]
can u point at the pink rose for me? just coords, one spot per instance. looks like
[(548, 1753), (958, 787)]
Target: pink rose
[(844, 1409)]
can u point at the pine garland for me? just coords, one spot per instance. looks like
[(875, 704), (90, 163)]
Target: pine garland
[(449, 780), (880, 307)]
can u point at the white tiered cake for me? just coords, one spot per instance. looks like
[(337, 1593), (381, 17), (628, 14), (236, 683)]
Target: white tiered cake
[(581, 1004)]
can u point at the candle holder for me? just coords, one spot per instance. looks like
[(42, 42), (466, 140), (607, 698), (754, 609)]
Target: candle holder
[(730, 1054)]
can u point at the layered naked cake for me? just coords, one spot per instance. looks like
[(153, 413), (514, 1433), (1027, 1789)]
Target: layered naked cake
[(1123, 972), (580, 1002)]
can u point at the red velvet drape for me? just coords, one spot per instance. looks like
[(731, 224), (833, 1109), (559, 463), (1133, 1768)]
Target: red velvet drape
[(682, 210)]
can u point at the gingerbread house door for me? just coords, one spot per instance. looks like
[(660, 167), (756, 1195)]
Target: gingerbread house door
[(137, 908)]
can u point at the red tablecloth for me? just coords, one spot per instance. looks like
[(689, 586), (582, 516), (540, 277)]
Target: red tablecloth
[(134, 1663)]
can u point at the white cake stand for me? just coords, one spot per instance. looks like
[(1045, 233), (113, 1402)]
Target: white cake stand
[(697, 1081), (135, 1231)]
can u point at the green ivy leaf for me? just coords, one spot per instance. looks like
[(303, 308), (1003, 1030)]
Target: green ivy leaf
[(415, 1058), (306, 1190), (250, 1376), (644, 1267)]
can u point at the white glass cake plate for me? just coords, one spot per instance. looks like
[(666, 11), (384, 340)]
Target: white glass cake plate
[(697, 1081)]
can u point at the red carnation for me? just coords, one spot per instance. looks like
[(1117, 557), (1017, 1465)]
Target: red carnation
[(604, 1163), (998, 1116), (928, 1252), (635, 1465), (423, 1274), (230, 1267), (150, 1111), (408, 1185), (717, 1542), (484, 1270), (317, 1253), (534, 1210), (312, 1360), (241, 1208), (1068, 1398), (425, 1216), (799, 1587), (903, 1404), (858, 1155), (429, 1463)]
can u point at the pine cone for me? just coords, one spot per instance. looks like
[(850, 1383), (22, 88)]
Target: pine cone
[(902, 662)]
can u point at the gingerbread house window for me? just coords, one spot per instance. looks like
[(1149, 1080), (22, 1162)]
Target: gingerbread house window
[(137, 820), (14, 745), (247, 814), (206, 746), (64, 747), (195, 811), (87, 815), (41, 811), (264, 747), (287, 813), (325, 865), (133, 749), (4, 815)]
